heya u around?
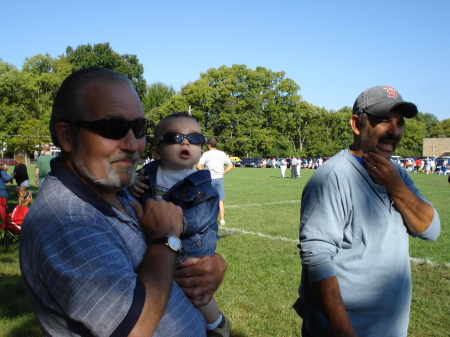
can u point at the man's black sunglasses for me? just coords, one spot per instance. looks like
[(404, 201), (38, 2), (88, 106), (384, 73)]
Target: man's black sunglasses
[(177, 138), (116, 128)]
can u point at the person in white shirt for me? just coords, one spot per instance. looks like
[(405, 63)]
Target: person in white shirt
[(214, 160), (283, 167)]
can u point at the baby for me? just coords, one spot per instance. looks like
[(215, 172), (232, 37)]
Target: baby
[(172, 177)]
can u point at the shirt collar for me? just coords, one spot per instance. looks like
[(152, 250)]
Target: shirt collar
[(359, 159), (72, 182)]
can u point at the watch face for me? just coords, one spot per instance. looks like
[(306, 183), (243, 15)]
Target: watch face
[(174, 242)]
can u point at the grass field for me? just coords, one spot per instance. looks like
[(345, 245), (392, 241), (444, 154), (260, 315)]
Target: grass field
[(262, 217)]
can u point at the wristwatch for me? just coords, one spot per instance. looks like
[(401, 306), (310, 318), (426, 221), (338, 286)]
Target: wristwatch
[(172, 241)]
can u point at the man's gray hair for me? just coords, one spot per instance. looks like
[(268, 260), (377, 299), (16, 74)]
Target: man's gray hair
[(68, 103)]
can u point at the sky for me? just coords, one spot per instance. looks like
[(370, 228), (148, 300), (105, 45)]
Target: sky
[(332, 49)]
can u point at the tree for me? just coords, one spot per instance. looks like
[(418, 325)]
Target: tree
[(440, 129), (5, 67), (26, 100), (428, 119), (412, 143), (330, 132), (157, 93), (102, 55), (243, 108)]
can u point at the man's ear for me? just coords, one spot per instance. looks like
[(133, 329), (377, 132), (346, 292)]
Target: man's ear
[(355, 124), (155, 152), (64, 136)]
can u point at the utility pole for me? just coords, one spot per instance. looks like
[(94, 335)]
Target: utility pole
[(432, 149)]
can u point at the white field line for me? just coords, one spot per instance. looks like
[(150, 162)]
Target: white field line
[(434, 192), (240, 230), (281, 238), (266, 203), (429, 262)]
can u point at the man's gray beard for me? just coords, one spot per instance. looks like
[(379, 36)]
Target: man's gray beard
[(116, 178)]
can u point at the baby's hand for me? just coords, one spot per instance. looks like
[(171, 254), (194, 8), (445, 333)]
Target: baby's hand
[(138, 187)]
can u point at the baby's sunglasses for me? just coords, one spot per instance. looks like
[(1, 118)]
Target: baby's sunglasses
[(116, 128), (177, 138)]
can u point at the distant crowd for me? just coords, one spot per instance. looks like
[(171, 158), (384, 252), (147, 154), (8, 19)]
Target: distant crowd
[(307, 163), (425, 165)]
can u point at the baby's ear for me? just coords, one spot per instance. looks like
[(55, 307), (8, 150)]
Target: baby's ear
[(155, 152)]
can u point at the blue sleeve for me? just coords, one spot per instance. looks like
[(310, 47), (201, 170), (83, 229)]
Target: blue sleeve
[(6, 177), (321, 231), (134, 313), (90, 275)]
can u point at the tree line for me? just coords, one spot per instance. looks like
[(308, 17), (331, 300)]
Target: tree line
[(251, 112)]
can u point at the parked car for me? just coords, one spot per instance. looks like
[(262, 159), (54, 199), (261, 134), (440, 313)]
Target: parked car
[(235, 159), (440, 168), (253, 162), (8, 161), (243, 162), (425, 158)]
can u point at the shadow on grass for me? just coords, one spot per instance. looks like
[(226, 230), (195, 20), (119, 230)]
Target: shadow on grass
[(13, 297), (28, 327), (15, 307)]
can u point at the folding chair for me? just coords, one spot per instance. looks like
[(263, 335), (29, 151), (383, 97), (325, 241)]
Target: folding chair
[(3, 219), (12, 225)]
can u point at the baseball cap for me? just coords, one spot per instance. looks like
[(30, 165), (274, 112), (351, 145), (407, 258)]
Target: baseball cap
[(381, 100)]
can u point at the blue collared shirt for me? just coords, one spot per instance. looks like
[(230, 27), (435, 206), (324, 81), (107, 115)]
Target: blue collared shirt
[(79, 256)]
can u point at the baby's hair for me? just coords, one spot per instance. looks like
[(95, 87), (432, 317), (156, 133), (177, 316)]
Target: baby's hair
[(159, 127), (3, 166), (25, 198)]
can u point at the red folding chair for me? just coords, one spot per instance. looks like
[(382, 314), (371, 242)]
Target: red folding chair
[(3, 219), (12, 225)]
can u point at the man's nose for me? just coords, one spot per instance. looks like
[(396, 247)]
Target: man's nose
[(130, 142), (395, 129)]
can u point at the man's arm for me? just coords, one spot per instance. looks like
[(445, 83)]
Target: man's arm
[(199, 278), (416, 213), (199, 166), (36, 174), (228, 168), (321, 230), (156, 270), (327, 290)]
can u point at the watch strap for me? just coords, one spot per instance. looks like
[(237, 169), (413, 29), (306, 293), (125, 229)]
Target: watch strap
[(165, 240)]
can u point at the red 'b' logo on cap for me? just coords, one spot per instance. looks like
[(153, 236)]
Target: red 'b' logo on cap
[(391, 92)]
